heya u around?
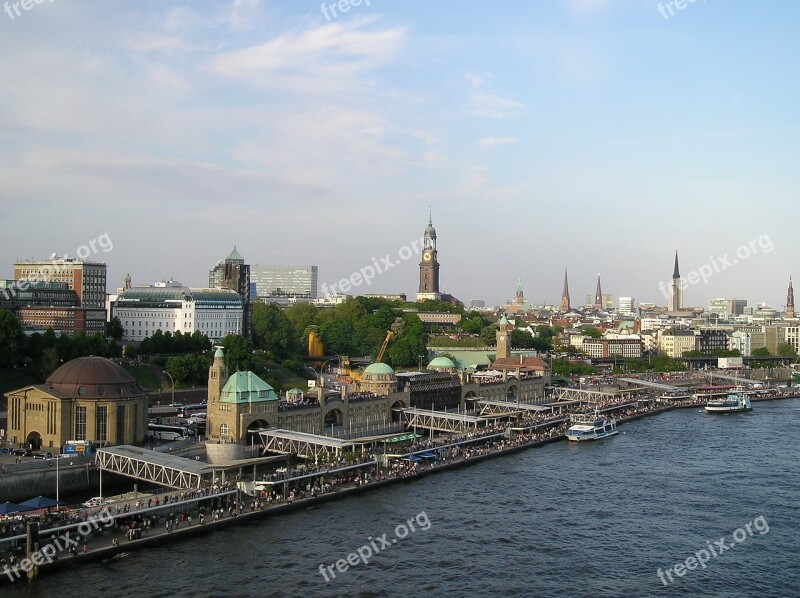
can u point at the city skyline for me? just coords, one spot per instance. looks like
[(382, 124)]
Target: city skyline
[(587, 135)]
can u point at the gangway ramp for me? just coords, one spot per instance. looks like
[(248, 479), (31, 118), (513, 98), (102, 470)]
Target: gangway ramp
[(737, 380), (656, 385), (579, 394), (308, 446), (151, 466), (499, 408), (441, 421)]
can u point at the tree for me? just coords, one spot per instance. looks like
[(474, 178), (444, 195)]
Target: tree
[(786, 350), (115, 329), (273, 331), (302, 316), (761, 352), (11, 338), (489, 335), (592, 332), (238, 352)]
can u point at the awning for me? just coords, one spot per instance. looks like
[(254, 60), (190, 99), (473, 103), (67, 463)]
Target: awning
[(402, 438)]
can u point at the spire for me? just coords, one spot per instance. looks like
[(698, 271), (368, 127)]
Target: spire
[(519, 287), (676, 273), (790, 300), (565, 294), (598, 295)]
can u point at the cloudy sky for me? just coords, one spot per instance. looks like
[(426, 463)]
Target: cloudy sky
[(593, 135)]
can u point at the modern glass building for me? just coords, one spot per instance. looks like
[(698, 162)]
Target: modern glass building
[(299, 282)]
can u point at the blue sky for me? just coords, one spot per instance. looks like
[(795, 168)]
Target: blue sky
[(593, 135)]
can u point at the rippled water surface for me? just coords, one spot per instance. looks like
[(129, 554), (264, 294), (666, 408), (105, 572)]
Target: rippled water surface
[(595, 519)]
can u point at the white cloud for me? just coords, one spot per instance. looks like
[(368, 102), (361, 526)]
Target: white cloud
[(495, 141), (489, 105)]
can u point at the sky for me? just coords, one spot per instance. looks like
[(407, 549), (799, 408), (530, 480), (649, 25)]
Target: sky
[(596, 136)]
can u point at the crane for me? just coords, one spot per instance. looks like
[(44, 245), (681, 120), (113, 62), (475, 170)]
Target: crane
[(389, 335)]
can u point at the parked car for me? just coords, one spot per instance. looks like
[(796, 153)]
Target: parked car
[(97, 501), (22, 452)]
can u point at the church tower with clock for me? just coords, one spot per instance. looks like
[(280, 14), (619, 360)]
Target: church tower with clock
[(429, 266)]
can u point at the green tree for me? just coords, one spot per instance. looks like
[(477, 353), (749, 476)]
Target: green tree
[(786, 350), (49, 362), (273, 332), (115, 329), (11, 338), (489, 335), (761, 352), (302, 316), (238, 353), (592, 332)]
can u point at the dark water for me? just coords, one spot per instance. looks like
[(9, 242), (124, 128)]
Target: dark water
[(592, 520)]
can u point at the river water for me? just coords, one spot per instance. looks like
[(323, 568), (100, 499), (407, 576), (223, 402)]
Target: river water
[(595, 519)]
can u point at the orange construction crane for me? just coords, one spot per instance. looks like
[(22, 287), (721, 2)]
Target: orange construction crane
[(389, 335)]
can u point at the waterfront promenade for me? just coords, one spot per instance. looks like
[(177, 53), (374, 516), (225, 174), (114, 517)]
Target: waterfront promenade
[(223, 506)]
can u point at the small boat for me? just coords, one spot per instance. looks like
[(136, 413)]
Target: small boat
[(736, 402), (587, 426)]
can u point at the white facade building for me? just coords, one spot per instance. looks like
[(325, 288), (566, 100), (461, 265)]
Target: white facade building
[(171, 307)]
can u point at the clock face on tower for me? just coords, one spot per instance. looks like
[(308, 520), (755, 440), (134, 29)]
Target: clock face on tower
[(502, 338), (427, 256)]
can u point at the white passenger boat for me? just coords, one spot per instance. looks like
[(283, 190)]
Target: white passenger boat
[(587, 426), (736, 402)]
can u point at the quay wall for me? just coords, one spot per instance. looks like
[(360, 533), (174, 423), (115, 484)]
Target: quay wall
[(101, 554)]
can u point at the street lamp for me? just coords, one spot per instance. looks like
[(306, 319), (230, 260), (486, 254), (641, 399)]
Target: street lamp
[(173, 385)]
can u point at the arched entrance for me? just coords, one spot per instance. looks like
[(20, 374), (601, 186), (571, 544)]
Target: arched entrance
[(397, 416), (34, 441), (334, 418), (511, 393), (252, 436)]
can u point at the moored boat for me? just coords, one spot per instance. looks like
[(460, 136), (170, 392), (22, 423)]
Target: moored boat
[(587, 426), (735, 402)]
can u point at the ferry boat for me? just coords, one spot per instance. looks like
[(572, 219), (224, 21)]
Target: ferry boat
[(736, 402), (587, 426)]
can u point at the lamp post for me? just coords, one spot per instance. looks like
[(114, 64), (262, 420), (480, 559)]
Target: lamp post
[(173, 384)]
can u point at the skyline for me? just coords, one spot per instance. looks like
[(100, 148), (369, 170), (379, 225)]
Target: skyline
[(587, 135)]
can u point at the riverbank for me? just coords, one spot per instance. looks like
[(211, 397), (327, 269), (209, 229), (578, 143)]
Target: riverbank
[(103, 548)]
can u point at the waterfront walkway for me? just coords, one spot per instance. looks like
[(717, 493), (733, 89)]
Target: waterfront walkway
[(112, 534)]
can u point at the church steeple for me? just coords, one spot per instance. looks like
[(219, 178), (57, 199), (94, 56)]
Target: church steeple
[(675, 298), (598, 295), (429, 265), (790, 300), (565, 307), (519, 298), (676, 273)]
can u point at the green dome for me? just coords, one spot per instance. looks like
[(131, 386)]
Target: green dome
[(441, 362), (379, 368), (219, 354)]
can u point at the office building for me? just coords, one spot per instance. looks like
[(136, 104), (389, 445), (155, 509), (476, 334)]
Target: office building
[(170, 307), (284, 282), (87, 279)]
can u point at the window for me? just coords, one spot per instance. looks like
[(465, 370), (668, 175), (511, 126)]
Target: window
[(120, 424), (223, 430), (101, 424), (80, 423)]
